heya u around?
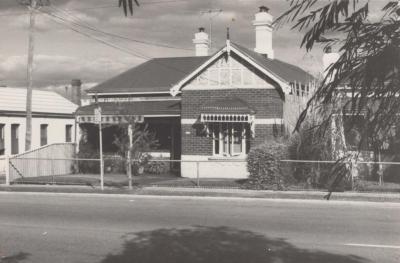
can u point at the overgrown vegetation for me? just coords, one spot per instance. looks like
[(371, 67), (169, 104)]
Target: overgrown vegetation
[(365, 81), (264, 166), (142, 141)]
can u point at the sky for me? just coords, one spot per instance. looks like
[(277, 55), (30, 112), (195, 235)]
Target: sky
[(62, 54)]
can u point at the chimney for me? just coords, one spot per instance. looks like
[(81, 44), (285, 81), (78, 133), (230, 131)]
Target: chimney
[(76, 92), (201, 43), (263, 26), (328, 59)]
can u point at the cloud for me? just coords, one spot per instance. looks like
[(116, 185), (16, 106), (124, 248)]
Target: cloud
[(50, 68)]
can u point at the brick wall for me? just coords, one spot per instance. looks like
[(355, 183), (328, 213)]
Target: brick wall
[(266, 102)]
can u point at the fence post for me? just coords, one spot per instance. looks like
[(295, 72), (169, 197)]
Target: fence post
[(198, 174), (130, 134), (7, 167), (52, 171)]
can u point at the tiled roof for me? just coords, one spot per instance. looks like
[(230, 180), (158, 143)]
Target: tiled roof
[(228, 105), (14, 100), (160, 74), (283, 70), (156, 75), (149, 108)]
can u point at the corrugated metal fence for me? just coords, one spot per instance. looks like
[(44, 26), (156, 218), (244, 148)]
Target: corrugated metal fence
[(41, 161)]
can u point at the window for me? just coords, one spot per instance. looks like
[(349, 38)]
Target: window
[(68, 133), (2, 144), (43, 134), (14, 138), (230, 139)]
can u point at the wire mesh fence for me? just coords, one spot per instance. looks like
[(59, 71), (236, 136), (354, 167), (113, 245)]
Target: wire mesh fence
[(228, 173), (359, 176)]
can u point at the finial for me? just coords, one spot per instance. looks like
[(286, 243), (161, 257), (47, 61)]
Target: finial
[(227, 34)]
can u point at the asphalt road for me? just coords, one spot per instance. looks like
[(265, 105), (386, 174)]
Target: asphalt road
[(93, 228)]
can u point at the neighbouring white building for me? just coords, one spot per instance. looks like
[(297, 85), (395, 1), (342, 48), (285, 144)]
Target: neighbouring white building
[(53, 120)]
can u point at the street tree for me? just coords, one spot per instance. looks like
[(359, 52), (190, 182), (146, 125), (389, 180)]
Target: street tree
[(365, 81)]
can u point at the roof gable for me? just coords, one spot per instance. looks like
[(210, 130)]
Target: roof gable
[(280, 72), (229, 72)]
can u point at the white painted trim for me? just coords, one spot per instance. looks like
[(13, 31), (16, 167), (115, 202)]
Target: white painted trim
[(126, 93), (158, 116), (198, 87), (268, 121), (133, 99), (284, 85), (256, 121), (188, 121), (177, 87)]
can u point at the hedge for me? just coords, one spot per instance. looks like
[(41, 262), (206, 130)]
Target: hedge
[(264, 166)]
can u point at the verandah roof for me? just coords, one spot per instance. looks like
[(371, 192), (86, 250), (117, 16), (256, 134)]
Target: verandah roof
[(136, 108)]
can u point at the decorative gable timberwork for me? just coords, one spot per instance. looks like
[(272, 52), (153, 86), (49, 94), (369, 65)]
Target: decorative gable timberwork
[(229, 72)]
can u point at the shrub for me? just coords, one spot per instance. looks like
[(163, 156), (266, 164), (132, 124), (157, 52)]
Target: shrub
[(307, 145), (157, 167), (265, 168), (87, 151), (114, 164)]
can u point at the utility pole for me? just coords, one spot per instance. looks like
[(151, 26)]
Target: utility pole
[(33, 6), (211, 13)]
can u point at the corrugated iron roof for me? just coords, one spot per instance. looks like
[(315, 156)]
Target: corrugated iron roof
[(14, 100), (148, 108)]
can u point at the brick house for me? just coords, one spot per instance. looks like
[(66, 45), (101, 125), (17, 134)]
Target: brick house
[(208, 108)]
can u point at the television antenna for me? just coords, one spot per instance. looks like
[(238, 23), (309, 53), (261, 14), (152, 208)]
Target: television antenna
[(211, 13)]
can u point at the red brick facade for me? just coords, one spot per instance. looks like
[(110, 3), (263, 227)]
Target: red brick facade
[(267, 103)]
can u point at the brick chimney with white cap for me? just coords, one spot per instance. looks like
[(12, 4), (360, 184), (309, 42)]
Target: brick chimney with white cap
[(264, 29), (201, 43)]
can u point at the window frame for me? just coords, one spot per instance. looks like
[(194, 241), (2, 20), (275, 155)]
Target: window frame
[(222, 141), (42, 137), (2, 139), (68, 132)]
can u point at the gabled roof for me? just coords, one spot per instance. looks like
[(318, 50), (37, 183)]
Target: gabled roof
[(161, 75), (287, 72), (155, 75), (14, 100), (281, 72)]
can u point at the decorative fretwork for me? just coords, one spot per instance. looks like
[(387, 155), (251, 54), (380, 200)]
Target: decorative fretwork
[(111, 119), (205, 117)]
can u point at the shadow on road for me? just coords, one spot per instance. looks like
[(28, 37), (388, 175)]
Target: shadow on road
[(15, 258), (216, 244)]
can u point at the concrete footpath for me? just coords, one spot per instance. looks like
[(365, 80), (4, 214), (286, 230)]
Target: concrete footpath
[(210, 192)]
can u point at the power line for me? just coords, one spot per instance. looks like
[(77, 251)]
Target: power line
[(102, 7), (88, 26), (66, 23)]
